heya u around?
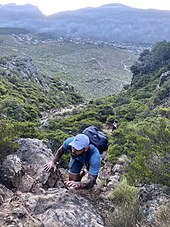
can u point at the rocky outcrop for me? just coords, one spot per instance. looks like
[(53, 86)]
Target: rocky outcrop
[(55, 207), (31, 197), (163, 78), (152, 197), (25, 68), (11, 172), (24, 170)]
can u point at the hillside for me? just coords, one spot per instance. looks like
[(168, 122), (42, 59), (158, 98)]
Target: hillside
[(140, 145), (94, 69), (112, 22), (25, 92), (54, 85), (143, 113)]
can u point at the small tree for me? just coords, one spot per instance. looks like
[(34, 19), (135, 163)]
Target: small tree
[(8, 136), (148, 145)]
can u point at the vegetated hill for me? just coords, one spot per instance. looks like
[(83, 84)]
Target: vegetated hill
[(142, 140), (113, 22), (143, 114), (95, 69), (25, 92)]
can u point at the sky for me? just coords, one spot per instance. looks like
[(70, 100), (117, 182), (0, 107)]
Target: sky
[(54, 6)]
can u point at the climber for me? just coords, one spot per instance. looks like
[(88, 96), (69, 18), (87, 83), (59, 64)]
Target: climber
[(82, 153), (113, 125)]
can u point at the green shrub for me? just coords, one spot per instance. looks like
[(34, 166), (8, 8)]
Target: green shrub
[(26, 129), (148, 145), (116, 143), (126, 212), (8, 136), (164, 112), (124, 193), (56, 139)]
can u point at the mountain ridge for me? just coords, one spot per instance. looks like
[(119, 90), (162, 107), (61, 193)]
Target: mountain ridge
[(112, 22)]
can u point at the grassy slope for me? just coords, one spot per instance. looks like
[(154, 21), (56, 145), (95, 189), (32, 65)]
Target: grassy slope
[(95, 71)]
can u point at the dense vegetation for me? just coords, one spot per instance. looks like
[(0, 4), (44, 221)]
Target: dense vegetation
[(25, 92), (142, 110), (144, 117)]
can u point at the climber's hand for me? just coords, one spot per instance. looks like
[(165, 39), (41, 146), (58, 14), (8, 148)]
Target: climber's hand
[(73, 184), (49, 166)]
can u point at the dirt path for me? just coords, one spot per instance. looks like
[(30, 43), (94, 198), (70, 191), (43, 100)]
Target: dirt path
[(54, 113), (124, 65)]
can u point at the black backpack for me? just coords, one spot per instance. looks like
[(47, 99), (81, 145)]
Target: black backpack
[(97, 138)]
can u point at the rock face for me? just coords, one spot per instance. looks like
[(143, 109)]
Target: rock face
[(33, 197), (163, 77), (25, 68), (55, 207), (24, 170), (11, 171)]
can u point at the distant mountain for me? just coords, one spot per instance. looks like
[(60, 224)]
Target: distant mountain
[(112, 22), (21, 16)]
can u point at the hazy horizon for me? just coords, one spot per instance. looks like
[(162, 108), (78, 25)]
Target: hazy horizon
[(51, 6)]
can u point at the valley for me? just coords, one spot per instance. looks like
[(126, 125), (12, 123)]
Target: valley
[(108, 67), (94, 69)]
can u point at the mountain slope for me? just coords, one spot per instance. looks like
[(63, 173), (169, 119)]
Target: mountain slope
[(25, 92), (94, 69), (143, 115)]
